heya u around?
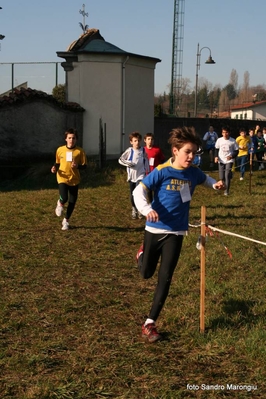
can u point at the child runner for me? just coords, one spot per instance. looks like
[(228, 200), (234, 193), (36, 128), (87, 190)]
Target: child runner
[(173, 184), (264, 136), (70, 159), (243, 141), (260, 149), (137, 163), (210, 138), (154, 153), (226, 149), (253, 145)]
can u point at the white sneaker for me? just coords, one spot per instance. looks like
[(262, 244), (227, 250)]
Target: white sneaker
[(241, 178), (140, 216), (59, 208), (134, 213), (261, 166), (65, 224)]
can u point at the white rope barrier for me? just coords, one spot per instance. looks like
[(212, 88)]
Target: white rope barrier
[(228, 233), (235, 235)]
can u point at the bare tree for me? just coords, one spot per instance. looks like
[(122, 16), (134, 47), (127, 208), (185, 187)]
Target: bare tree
[(224, 103), (246, 85), (234, 79), (245, 92)]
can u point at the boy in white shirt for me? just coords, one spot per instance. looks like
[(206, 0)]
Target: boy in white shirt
[(226, 150), (136, 161)]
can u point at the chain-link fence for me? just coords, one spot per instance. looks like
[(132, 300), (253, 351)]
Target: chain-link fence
[(42, 76)]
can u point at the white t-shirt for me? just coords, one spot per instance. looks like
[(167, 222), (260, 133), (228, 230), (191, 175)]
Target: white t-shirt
[(226, 148)]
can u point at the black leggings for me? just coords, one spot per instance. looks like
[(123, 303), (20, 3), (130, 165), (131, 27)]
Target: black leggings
[(132, 186), (70, 194), (168, 247), (259, 156)]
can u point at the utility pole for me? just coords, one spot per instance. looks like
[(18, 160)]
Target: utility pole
[(84, 14)]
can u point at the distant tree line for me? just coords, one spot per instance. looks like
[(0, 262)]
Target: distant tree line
[(212, 100)]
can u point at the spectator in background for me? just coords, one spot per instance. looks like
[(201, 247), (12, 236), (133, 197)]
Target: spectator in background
[(210, 138)]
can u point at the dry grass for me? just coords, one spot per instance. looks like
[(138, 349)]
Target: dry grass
[(72, 302)]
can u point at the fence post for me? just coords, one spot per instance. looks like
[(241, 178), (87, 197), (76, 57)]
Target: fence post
[(202, 269), (102, 144)]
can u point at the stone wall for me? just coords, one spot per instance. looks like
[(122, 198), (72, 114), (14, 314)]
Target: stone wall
[(32, 130)]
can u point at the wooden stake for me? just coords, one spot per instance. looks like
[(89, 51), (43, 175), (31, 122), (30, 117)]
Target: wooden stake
[(202, 269)]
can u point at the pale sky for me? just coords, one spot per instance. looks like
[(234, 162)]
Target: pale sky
[(234, 30)]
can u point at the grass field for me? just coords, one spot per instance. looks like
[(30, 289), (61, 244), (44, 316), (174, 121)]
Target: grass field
[(72, 302)]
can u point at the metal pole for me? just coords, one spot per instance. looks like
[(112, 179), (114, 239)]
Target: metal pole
[(196, 84), (12, 77), (56, 73)]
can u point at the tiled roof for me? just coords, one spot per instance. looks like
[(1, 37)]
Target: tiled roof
[(92, 42), (250, 104), (21, 95)]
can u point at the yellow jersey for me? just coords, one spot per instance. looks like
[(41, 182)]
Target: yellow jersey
[(64, 157), (243, 142)]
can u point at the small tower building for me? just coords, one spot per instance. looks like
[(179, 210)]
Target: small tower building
[(112, 85)]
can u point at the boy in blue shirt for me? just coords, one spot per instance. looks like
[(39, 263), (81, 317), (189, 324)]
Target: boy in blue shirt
[(173, 184)]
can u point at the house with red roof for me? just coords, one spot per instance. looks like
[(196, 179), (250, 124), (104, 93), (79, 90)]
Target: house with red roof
[(255, 110)]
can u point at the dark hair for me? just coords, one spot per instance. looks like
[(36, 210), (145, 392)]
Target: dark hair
[(71, 131), (136, 135), (226, 128), (149, 135), (182, 135)]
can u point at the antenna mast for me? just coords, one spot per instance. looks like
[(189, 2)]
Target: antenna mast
[(177, 55)]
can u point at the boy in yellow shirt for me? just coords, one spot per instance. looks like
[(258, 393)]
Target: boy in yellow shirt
[(243, 142), (70, 159)]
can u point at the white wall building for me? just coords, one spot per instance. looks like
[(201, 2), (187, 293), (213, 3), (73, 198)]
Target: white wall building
[(111, 84), (251, 111)]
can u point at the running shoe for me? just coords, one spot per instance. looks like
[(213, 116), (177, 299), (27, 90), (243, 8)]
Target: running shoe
[(150, 333), (59, 208)]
